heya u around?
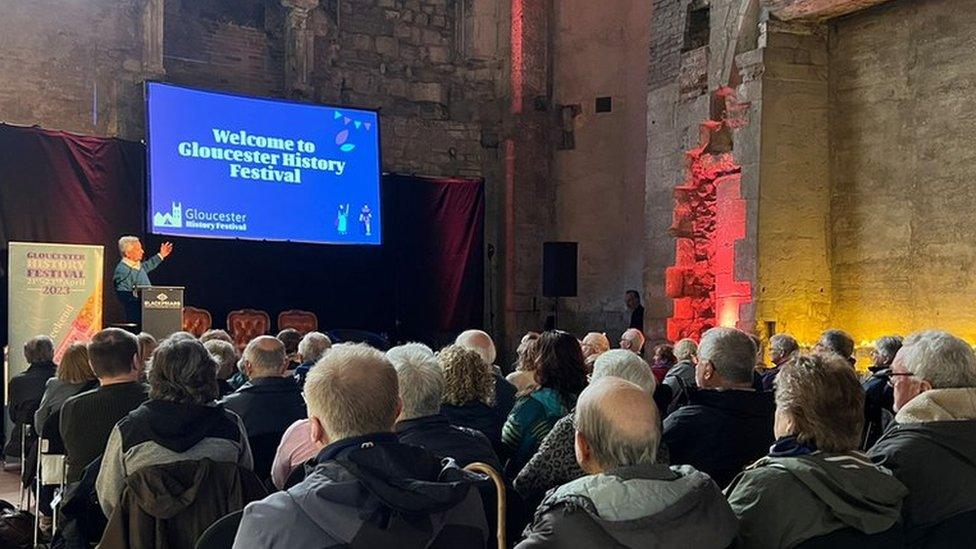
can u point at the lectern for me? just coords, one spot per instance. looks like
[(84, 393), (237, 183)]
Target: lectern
[(162, 309)]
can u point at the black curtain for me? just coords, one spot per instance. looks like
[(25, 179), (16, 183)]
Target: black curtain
[(424, 283)]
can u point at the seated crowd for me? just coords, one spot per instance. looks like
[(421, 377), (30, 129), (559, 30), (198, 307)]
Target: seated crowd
[(702, 446)]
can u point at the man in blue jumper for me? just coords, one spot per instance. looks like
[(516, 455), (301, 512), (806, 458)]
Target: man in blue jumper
[(133, 272)]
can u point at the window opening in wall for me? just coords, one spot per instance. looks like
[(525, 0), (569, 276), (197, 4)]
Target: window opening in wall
[(604, 104), (696, 27)]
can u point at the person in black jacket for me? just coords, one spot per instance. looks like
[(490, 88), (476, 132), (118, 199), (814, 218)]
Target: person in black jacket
[(421, 422), (27, 387), (931, 446), (727, 423), (269, 402)]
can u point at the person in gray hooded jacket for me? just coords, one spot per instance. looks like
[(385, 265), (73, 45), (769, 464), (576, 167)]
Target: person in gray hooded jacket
[(628, 500), (814, 483)]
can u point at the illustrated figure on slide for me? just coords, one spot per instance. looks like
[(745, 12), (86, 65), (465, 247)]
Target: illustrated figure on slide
[(342, 219), (366, 219)]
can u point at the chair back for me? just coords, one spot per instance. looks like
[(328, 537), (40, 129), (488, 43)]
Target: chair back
[(247, 324), (303, 321), (499, 483), (196, 321), (221, 534)]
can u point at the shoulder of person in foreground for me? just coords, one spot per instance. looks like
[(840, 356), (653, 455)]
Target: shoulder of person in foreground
[(760, 496), (276, 521)]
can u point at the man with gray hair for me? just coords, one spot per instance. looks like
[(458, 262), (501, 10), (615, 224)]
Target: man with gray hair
[(681, 376), (782, 349), (311, 348), (632, 340), (132, 272), (628, 499), (931, 446), (421, 422), (268, 403), (404, 496), (726, 424), (27, 388)]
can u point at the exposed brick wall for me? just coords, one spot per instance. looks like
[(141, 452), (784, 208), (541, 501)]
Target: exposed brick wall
[(217, 45), (667, 38), (70, 65)]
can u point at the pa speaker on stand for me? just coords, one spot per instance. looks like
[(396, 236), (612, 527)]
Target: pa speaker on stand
[(559, 272)]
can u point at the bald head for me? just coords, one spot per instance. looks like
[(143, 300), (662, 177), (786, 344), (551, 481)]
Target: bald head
[(336, 387), (479, 342), (632, 340), (264, 357), (617, 425)]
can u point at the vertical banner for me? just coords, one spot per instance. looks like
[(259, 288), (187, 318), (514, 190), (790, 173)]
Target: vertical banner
[(54, 290)]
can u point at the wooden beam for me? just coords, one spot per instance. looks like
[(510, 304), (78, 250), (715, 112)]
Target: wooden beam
[(815, 10)]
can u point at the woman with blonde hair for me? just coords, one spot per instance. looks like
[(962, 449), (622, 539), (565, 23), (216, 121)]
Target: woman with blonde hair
[(523, 378), (74, 375), (469, 392)]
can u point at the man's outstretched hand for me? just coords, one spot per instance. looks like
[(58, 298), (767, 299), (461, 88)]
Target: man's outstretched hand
[(165, 249)]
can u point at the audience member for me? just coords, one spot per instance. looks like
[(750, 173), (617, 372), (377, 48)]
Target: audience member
[(932, 443), (662, 362), (682, 375), (179, 422), (421, 423), (633, 301), (295, 449), (627, 499), (216, 334), (469, 390), (782, 349), (594, 344), (225, 355), (26, 389), (561, 377), (879, 397), (814, 482), (838, 342), (311, 348), (481, 343), (632, 340), (523, 378), (290, 338), (727, 424), (87, 418), (409, 349), (268, 403), (554, 463), (147, 344), (74, 375), (367, 489)]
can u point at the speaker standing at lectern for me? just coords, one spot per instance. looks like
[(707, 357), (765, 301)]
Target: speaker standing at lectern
[(133, 272)]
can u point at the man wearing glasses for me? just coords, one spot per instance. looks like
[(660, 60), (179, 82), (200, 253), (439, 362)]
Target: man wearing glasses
[(931, 447)]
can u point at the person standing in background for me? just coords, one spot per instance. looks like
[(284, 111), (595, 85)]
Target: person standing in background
[(132, 272), (633, 301)]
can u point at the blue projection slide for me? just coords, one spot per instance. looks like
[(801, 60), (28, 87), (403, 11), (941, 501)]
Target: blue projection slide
[(226, 166)]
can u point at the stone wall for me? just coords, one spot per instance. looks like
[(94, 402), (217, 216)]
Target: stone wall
[(794, 289), (73, 66), (598, 173), (902, 82)]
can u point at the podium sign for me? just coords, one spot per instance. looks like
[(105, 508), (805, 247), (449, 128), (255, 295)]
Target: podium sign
[(162, 310)]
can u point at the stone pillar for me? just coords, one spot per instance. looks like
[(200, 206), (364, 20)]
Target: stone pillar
[(299, 47), (152, 39)]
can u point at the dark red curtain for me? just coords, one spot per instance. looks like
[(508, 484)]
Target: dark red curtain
[(424, 283)]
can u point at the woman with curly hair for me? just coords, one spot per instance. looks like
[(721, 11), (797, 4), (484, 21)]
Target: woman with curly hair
[(179, 422), (469, 392), (561, 375)]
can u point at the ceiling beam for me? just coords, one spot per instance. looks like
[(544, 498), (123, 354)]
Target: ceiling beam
[(815, 10)]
